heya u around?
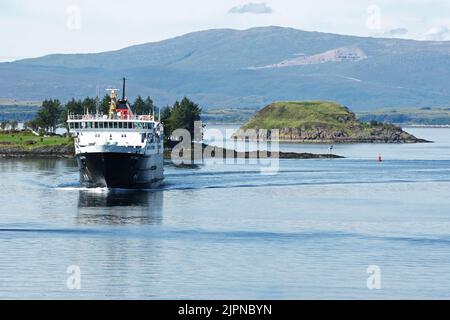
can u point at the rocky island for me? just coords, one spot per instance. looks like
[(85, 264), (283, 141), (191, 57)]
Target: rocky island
[(318, 122)]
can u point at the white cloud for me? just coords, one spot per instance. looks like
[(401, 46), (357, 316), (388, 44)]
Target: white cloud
[(438, 33), (397, 32), (40, 27), (256, 8)]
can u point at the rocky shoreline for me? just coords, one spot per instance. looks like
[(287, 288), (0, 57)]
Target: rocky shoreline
[(68, 151), (214, 152), (322, 136), (63, 151)]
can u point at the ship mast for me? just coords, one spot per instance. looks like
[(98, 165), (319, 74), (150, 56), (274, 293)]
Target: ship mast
[(123, 88)]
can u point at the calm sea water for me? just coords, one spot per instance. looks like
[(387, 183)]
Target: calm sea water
[(227, 231)]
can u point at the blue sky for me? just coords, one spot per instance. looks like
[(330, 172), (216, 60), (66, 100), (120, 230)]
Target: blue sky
[(32, 28)]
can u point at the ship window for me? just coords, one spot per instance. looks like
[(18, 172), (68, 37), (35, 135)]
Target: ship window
[(138, 125), (77, 125), (130, 125), (115, 125), (110, 125), (100, 125), (120, 125)]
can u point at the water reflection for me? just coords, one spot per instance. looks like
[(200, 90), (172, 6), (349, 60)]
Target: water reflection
[(39, 165), (108, 207)]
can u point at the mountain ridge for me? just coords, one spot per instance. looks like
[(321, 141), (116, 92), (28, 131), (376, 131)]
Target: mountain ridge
[(212, 67)]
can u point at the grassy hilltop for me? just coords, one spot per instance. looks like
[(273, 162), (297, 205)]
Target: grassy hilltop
[(320, 121), (297, 114)]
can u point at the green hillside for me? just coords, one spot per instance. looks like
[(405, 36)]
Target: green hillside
[(297, 114)]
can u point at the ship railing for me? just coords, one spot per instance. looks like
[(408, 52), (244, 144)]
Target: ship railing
[(93, 117)]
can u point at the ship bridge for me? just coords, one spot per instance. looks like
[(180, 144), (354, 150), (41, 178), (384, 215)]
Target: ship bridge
[(103, 122)]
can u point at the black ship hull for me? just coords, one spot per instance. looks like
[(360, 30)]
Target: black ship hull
[(120, 170)]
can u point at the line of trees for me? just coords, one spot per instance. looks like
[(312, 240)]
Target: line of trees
[(9, 125), (53, 113)]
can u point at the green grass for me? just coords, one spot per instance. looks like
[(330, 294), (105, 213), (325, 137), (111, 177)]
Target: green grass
[(27, 140), (298, 114)]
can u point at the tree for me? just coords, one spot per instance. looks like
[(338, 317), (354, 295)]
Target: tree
[(72, 107), (104, 105), (75, 106), (165, 115), (183, 116), (138, 106), (141, 106), (4, 125), (31, 125), (148, 109), (374, 123), (89, 105), (13, 124), (49, 115)]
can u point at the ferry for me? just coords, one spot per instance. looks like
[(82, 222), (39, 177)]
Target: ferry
[(119, 149)]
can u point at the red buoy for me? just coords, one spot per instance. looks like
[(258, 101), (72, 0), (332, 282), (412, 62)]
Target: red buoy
[(379, 158)]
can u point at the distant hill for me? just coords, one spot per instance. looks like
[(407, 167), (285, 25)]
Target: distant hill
[(409, 116), (248, 68), (318, 121), (14, 110)]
